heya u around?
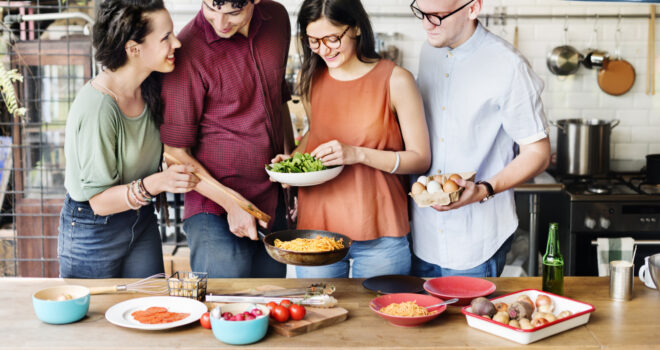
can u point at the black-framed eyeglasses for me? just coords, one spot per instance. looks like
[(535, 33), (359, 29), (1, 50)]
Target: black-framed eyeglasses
[(433, 19), (330, 41)]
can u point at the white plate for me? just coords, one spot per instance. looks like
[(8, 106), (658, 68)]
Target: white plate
[(306, 179), (581, 312), (120, 314)]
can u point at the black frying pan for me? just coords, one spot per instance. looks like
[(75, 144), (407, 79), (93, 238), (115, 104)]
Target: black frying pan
[(298, 258)]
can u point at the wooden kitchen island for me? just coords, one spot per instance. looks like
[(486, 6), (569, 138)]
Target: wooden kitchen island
[(614, 324)]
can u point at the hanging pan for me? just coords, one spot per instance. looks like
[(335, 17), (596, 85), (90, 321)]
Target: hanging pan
[(617, 75)]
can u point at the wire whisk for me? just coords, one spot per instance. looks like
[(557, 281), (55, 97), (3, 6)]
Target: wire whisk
[(156, 284)]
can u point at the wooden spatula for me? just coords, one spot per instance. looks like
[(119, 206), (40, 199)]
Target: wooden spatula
[(244, 204)]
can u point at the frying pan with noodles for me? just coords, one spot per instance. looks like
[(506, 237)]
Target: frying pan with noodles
[(303, 258)]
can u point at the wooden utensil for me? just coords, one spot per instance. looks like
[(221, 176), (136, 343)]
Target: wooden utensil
[(244, 204)]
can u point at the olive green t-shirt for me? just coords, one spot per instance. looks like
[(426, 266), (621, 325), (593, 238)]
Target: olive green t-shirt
[(104, 147)]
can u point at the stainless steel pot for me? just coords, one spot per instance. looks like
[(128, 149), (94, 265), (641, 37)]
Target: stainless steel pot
[(583, 146)]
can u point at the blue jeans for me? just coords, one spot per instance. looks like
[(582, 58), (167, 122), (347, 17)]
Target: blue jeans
[(491, 268), (377, 257), (214, 249), (122, 245)]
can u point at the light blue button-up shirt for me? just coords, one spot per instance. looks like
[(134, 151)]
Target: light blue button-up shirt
[(480, 98)]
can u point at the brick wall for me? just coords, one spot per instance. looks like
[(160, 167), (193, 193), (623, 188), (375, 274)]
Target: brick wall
[(577, 96)]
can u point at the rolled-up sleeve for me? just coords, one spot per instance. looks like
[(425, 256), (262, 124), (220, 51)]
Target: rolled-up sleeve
[(524, 118), (183, 92)]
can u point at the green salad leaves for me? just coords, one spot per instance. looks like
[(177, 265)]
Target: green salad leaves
[(299, 163)]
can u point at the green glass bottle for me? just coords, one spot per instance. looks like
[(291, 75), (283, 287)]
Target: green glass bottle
[(553, 264)]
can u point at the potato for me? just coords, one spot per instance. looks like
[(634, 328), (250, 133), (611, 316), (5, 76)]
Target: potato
[(564, 313), (501, 317), (514, 323), (525, 324)]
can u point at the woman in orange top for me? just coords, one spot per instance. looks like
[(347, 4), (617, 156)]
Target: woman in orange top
[(367, 114)]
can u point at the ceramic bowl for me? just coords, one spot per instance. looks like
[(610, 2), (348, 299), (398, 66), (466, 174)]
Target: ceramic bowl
[(422, 300), (240, 332), (306, 179), (60, 305)]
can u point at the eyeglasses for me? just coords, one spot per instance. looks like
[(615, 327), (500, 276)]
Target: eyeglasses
[(433, 19), (330, 41)]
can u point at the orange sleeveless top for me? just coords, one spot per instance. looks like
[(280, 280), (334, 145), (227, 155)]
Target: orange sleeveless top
[(362, 202)]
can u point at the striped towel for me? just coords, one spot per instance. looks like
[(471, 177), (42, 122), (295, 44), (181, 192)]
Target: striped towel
[(611, 249)]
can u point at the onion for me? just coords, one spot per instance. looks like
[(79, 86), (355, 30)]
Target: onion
[(542, 300)]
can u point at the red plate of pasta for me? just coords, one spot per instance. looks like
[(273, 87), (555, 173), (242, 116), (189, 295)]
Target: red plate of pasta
[(407, 309)]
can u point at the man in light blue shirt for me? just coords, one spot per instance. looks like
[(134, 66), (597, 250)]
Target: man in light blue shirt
[(481, 97)]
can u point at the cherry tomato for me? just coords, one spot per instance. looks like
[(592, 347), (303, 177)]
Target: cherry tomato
[(286, 303), (280, 313), (271, 305), (205, 320), (297, 311)]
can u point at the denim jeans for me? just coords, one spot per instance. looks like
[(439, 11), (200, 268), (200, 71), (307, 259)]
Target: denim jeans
[(491, 268), (122, 245), (377, 257), (214, 249)]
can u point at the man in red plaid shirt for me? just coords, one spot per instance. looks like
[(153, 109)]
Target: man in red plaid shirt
[(225, 113)]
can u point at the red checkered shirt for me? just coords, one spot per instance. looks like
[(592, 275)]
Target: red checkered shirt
[(223, 100)]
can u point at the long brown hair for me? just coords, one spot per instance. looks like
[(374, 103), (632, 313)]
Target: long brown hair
[(339, 12)]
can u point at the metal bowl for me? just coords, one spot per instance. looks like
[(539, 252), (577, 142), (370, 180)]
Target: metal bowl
[(654, 269)]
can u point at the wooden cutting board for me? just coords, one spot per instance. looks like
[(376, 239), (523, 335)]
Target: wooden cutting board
[(315, 317)]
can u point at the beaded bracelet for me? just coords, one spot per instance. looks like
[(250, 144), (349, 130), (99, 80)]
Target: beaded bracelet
[(144, 188), (134, 195), (139, 193), (128, 201)]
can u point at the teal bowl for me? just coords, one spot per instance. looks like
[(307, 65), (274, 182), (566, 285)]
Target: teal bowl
[(240, 332), (60, 305)]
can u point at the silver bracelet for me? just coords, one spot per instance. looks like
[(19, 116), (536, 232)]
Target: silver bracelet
[(396, 165)]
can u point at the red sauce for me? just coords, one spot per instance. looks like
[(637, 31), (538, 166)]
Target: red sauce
[(157, 315)]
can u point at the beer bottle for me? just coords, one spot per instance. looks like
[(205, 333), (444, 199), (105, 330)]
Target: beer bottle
[(553, 264)]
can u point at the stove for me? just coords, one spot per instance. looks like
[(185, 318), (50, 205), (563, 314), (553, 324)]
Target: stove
[(618, 205)]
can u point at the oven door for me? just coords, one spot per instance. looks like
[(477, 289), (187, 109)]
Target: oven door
[(586, 259)]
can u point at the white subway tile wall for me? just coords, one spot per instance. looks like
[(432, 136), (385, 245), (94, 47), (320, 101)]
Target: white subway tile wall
[(575, 96)]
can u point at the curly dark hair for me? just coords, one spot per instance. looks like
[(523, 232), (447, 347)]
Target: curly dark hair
[(117, 22), (237, 4)]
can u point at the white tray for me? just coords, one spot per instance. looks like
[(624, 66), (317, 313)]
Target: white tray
[(581, 312)]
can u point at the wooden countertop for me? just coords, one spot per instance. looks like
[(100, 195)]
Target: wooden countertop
[(614, 324)]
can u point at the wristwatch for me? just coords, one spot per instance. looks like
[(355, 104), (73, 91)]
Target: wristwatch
[(489, 188)]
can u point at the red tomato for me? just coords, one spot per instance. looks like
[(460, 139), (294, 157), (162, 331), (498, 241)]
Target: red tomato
[(297, 311), (205, 320), (280, 313), (286, 303), (271, 305)]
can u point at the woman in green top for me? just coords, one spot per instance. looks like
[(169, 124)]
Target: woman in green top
[(108, 227)]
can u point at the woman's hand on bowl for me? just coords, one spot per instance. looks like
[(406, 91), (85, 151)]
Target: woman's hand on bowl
[(278, 158), (335, 153)]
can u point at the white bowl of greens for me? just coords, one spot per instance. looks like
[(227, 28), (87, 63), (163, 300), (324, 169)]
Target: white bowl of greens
[(302, 170)]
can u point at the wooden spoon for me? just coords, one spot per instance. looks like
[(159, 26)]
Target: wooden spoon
[(244, 204)]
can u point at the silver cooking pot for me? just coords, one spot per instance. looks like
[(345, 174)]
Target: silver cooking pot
[(583, 146)]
